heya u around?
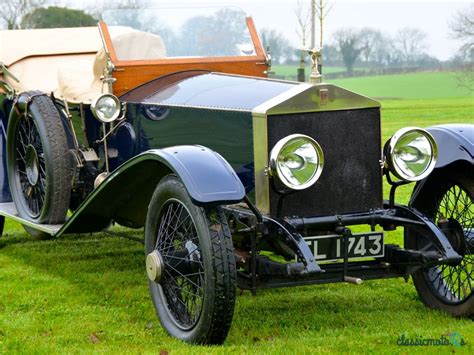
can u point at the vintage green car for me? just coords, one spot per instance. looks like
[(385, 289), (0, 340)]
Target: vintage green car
[(237, 179)]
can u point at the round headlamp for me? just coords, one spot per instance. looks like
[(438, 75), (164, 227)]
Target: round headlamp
[(411, 154), (297, 161), (106, 108)]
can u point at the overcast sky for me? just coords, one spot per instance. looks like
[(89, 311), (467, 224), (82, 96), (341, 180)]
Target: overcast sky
[(432, 17)]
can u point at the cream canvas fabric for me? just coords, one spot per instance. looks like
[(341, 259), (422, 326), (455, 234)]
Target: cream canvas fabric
[(18, 44), (70, 61)]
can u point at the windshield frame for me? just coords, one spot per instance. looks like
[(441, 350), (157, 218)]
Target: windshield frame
[(259, 55)]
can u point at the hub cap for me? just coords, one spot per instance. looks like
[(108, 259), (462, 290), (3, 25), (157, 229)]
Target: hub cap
[(154, 266), (31, 163)]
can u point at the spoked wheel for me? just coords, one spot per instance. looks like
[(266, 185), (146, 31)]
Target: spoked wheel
[(190, 265), (448, 200), (38, 162), (30, 166)]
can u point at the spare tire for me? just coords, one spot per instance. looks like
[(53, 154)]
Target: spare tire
[(38, 165)]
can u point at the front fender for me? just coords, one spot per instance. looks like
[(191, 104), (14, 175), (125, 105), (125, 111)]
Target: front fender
[(124, 196), (455, 152), (455, 143)]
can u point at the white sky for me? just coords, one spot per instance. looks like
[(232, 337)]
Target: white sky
[(432, 17)]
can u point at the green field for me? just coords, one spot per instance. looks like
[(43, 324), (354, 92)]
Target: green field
[(423, 85), (88, 293), (429, 85)]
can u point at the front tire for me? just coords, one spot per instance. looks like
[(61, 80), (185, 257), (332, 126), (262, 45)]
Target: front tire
[(194, 295), (447, 197)]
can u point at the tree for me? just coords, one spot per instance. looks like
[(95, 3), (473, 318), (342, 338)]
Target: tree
[(348, 42), (321, 9), (13, 11), (303, 18), (331, 55), (369, 40), (56, 17), (411, 42), (462, 28), (279, 46), (382, 51), (215, 35)]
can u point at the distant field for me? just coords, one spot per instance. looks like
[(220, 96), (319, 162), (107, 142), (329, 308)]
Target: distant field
[(88, 293), (429, 85), (426, 85)]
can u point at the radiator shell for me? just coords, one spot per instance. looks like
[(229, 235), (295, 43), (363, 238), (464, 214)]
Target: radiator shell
[(352, 178)]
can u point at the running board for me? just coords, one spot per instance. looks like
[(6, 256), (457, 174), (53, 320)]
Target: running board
[(8, 210)]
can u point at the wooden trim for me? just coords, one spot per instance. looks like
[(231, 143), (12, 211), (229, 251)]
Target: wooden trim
[(192, 60), (108, 41), (255, 39)]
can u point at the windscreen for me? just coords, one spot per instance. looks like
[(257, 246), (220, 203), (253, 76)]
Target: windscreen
[(179, 32)]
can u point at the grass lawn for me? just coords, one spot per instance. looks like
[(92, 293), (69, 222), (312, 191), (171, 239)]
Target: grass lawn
[(428, 85), (424, 85), (88, 293)]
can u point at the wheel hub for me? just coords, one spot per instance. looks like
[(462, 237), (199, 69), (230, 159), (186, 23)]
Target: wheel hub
[(154, 266), (32, 165), (456, 237)]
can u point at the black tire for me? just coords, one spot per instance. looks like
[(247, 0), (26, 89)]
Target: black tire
[(447, 288), (193, 300), (38, 161)]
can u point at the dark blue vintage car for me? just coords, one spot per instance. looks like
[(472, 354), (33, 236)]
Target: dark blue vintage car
[(238, 180)]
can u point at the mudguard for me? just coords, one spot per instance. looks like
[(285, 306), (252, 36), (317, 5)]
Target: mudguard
[(455, 151), (124, 196), (455, 143)]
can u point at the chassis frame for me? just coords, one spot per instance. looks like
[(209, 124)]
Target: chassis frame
[(261, 272)]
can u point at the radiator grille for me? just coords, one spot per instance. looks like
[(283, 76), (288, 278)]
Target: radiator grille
[(351, 180)]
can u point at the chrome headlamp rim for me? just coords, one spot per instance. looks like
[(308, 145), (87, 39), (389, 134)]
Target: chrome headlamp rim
[(276, 150), (389, 156), (97, 113)]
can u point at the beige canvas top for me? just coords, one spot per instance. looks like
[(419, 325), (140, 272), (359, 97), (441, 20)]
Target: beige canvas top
[(18, 44), (70, 61)]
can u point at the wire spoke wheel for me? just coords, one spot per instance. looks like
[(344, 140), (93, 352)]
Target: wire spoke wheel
[(454, 283), (182, 283), (190, 265), (447, 199), (30, 167)]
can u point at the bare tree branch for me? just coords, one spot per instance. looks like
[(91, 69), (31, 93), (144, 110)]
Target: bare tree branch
[(13, 11), (303, 16), (462, 27), (411, 42)]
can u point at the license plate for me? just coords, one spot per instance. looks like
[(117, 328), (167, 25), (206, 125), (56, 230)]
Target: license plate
[(361, 245)]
